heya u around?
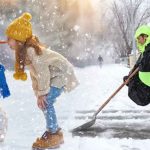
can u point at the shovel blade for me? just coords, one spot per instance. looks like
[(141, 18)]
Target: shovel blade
[(85, 126)]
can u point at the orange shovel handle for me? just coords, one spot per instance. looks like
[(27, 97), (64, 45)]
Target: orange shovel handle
[(3, 42)]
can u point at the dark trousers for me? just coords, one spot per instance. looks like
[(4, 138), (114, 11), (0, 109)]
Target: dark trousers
[(138, 91)]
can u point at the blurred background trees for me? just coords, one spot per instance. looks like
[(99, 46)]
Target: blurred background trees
[(128, 16), (78, 29)]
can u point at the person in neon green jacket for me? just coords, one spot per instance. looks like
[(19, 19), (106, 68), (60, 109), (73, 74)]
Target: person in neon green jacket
[(139, 85), (142, 36)]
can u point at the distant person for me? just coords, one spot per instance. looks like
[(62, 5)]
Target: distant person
[(100, 60), (50, 72), (139, 85)]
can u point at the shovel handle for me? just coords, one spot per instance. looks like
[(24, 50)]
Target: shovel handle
[(119, 88), (3, 42)]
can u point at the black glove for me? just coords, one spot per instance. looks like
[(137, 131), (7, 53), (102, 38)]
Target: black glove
[(125, 78)]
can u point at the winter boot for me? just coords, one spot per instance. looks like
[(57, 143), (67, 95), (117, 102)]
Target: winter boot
[(49, 141)]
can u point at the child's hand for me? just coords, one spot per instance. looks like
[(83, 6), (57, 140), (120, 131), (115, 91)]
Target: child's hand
[(41, 101)]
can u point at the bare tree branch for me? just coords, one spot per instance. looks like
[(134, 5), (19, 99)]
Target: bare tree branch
[(128, 15)]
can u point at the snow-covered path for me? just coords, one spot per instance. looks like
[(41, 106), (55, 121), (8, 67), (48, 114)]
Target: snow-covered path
[(122, 125)]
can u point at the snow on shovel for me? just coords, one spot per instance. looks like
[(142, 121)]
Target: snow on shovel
[(87, 125)]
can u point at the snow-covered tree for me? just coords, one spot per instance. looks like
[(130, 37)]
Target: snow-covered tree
[(127, 16)]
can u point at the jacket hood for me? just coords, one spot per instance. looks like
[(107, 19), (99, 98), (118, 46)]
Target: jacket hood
[(144, 29)]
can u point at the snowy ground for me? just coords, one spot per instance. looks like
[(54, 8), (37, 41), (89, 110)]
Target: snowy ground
[(122, 125)]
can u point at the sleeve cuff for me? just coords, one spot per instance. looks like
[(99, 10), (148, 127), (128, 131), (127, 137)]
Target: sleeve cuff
[(40, 93)]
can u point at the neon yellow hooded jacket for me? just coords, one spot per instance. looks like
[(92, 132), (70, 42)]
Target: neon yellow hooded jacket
[(144, 29)]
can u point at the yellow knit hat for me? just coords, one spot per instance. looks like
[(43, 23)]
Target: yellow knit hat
[(20, 29)]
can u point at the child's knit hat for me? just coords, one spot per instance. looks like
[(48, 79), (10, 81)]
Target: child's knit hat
[(20, 29)]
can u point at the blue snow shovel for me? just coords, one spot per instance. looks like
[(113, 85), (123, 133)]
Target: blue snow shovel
[(87, 125)]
